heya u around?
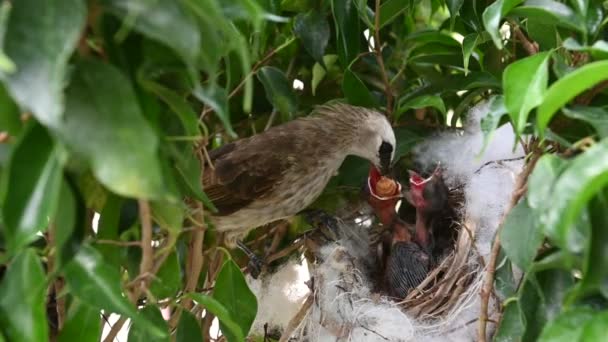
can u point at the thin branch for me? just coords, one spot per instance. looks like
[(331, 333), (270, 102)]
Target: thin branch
[(254, 69), (488, 284), (147, 253), (57, 285), (530, 46), (118, 243), (378, 49), (115, 329)]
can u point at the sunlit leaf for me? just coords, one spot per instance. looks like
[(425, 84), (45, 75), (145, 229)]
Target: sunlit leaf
[(141, 333), (103, 121), (40, 46), (32, 180), (568, 87), (318, 72), (489, 123), (567, 327), (423, 101), (23, 299), (524, 84), (550, 12), (512, 324), (583, 178)]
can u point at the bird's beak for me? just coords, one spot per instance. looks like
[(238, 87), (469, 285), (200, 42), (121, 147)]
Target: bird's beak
[(385, 166)]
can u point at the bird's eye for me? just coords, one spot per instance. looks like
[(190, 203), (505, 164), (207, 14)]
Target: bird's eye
[(385, 148)]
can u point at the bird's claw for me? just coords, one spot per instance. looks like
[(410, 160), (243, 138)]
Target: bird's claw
[(255, 264)]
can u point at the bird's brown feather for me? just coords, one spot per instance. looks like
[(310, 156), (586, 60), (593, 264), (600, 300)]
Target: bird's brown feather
[(247, 170)]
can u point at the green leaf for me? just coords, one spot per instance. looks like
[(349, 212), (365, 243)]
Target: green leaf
[(599, 49), (318, 72), (40, 46), (168, 215), (141, 333), (583, 178), (313, 30), (278, 91), (107, 229), (229, 326), (595, 116), (23, 299), (105, 126), (454, 6), (165, 21), (568, 87), (168, 279), (97, 284), (595, 329), (217, 99), (232, 291), (468, 45), (348, 31), (188, 167), (542, 180), (512, 324), (188, 329), (489, 123), (567, 327), (423, 101), (595, 271), (521, 222), (10, 118), (31, 187), (81, 324), (356, 92), (492, 16), (524, 83), (391, 9), (550, 12), (178, 105), (65, 222)]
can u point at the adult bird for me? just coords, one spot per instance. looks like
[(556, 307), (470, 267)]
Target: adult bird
[(280, 172)]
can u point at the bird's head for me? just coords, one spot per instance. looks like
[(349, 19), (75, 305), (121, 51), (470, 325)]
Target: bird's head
[(376, 141), (419, 185)]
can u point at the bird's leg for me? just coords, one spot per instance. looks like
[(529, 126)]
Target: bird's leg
[(255, 262)]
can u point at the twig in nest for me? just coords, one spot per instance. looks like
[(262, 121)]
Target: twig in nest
[(499, 162), (378, 49), (488, 284), (296, 320), (285, 252)]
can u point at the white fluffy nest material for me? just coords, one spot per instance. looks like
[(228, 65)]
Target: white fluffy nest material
[(445, 307)]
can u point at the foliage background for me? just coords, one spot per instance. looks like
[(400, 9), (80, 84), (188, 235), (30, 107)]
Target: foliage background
[(108, 106)]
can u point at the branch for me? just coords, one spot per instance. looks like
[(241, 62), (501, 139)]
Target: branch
[(378, 49), (296, 320), (254, 69), (531, 47), (115, 329), (147, 256), (488, 284)]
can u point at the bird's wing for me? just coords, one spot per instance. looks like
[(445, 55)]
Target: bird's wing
[(246, 170)]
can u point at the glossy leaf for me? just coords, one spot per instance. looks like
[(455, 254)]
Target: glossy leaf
[(232, 291), (542, 179), (567, 327), (188, 329), (573, 189), (391, 9), (595, 329), (521, 222), (356, 92), (188, 167), (595, 272), (599, 49), (9, 119), (595, 116), (512, 323), (492, 16), (278, 91), (119, 143), (32, 180), (489, 123), (423, 101), (550, 11), (23, 299), (313, 30), (97, 284), (524, 84), (230, 328), (568, 87), (454, 6), (65, 222), (40, 46), (468, 45), (348, 30), (141, 333), (318, 72), (217, 99), (81, 324), (168, 280)]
